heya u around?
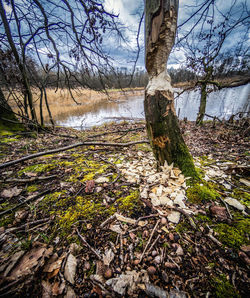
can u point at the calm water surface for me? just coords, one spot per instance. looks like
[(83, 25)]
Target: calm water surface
[(221, 103)]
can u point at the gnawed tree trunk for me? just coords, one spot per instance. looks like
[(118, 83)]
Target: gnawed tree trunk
[(161, 120)]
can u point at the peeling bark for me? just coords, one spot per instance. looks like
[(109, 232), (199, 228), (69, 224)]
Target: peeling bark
[(162, 123)]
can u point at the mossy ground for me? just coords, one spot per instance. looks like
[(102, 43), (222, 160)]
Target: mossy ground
[(199, 193), (69, 206), (222, 288)]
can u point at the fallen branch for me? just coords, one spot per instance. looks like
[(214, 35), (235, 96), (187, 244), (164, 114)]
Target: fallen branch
[(28, 224), (28, 180), (13, 162), (24, 202)]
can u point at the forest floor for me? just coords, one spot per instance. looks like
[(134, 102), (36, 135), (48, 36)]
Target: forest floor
[(100, 221)]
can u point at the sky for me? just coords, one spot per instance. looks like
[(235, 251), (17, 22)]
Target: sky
[(128, 11), (124, 51)]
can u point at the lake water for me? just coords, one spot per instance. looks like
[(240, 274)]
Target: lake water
[(221, 103)]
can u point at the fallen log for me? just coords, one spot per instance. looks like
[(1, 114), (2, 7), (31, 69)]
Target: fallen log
[(13, 162)]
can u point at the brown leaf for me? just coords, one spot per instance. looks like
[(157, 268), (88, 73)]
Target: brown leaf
[(246, 249), (54, 263), (30, 262), (70, 269), (219, 212), (46, 289), (90, 186), (10, 193), (53, 273), (57, 288)]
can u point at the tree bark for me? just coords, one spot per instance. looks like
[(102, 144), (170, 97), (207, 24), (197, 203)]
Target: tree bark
[(6, 112), (161, 120), (21, 66), (203, 103)]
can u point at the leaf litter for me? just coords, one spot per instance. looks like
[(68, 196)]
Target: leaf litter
[(143, 236)]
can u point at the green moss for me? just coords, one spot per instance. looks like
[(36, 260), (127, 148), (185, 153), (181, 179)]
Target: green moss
[(6, 133), (8, 218), (222, 288), (84, 208), (184, 161), (182, 227), (200, 193), (38, 168), (130, 203), (203, 219), (205, 161), (143, 147), (90, 168), (230, 236), (10, 127), (32, 188), (241, 195), (69, 211), (8, 140), (52, 199)]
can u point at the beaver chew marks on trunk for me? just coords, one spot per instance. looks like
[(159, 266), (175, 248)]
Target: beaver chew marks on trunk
[(162, 124)]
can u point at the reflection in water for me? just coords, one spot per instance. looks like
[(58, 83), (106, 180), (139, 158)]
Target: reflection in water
[(221, 103), (105, 111)]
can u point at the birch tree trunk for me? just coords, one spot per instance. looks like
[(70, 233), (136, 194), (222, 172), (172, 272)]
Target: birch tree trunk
[(161, 120)]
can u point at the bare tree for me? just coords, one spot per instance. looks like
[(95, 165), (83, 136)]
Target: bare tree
[(162, 123), (63, 37), (206, 42)]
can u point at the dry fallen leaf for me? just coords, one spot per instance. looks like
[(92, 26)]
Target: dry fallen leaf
[(70, 268), (108, 256), (29, 262), (10, 193)]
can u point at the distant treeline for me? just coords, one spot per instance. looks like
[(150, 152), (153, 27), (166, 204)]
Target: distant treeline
[(118, 78)]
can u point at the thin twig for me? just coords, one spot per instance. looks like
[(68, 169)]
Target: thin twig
[(89, 247), (28, 180), (121, 251), (24, 202), (28, 224), (107, 220), (228, 211), (173, 261), (149, 240), (116, 168), (153, 244)]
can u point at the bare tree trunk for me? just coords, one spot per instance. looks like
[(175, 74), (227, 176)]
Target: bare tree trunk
[(7, 116), (21, 66), (203, 103), (162, 123)]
